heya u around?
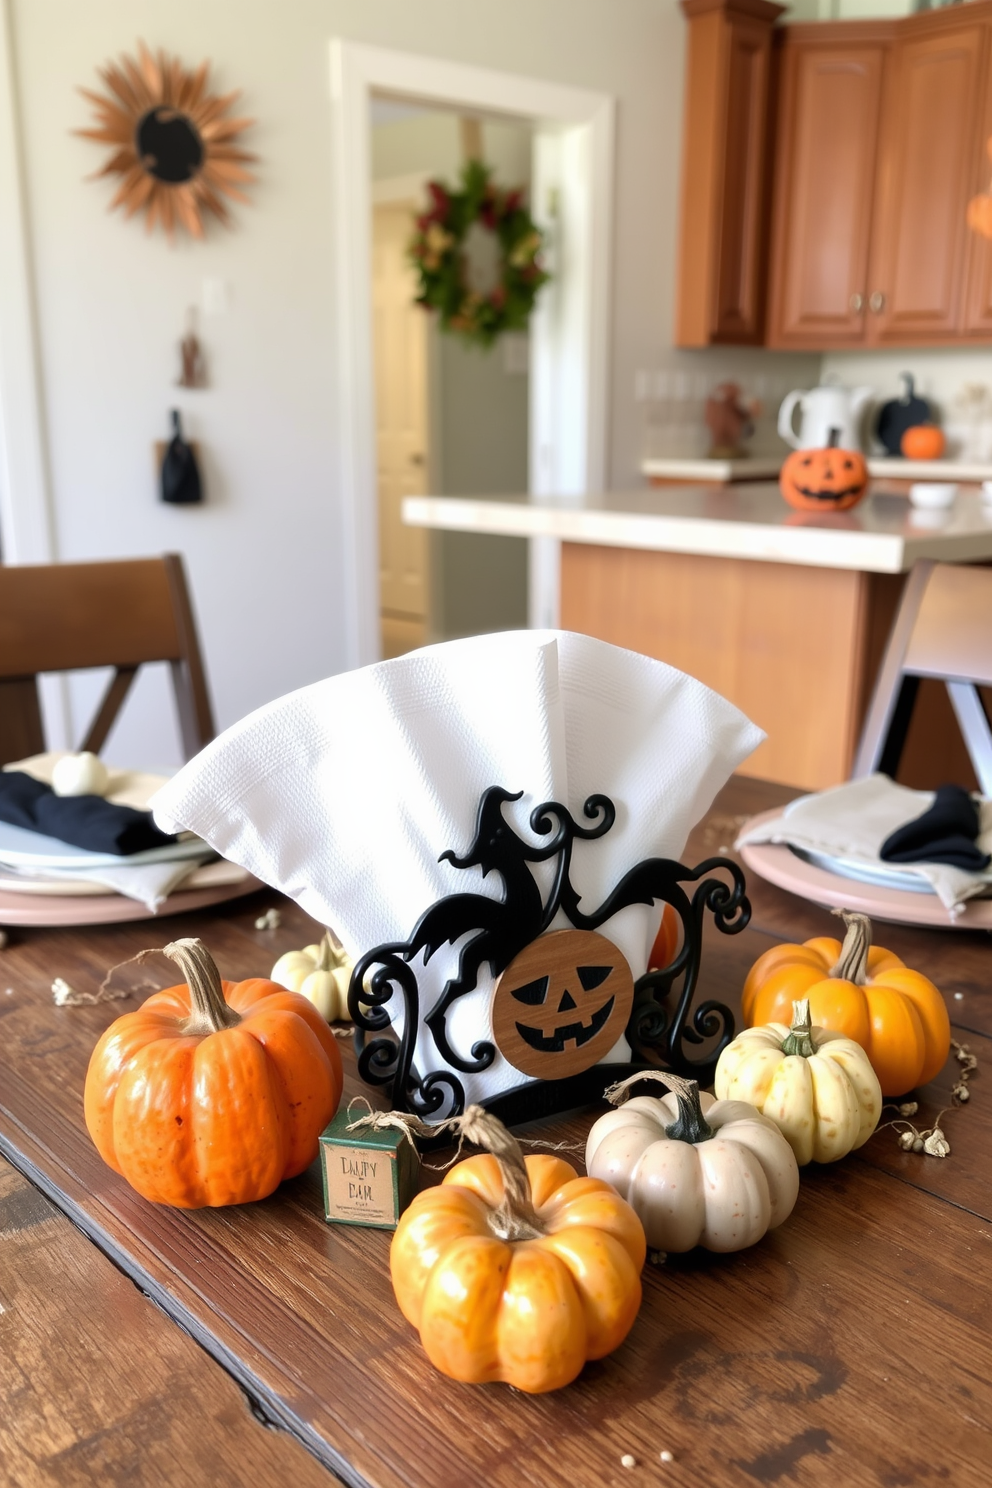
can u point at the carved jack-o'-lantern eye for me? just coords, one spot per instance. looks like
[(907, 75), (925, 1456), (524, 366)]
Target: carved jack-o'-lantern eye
[(562, 1003)]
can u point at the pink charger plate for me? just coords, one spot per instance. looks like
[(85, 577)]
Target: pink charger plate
[(780, 866), (112, 909)]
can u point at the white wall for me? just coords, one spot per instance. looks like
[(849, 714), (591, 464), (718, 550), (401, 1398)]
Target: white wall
[(264, 553)]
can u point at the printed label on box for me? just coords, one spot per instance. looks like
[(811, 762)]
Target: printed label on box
[(360, 1184)]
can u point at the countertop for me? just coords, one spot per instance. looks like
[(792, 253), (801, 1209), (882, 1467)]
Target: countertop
[(760, 467), (884, 534)]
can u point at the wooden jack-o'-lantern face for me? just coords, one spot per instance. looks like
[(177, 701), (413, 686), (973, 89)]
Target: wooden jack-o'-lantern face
[(828, 479), (561, 1005)]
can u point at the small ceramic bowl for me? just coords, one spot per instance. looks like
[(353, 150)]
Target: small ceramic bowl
[(932, 495)]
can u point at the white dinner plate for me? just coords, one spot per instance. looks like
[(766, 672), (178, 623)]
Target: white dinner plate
[(208, 876), (20, 848), (881, 875)]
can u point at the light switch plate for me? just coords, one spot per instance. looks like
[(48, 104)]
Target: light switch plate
[(215, 296)]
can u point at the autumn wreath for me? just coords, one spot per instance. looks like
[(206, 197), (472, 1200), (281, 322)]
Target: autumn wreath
[(437, 252)]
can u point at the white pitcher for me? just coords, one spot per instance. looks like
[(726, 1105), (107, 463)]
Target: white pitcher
[(822, 409)]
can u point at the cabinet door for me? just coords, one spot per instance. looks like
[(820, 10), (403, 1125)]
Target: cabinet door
[(978, 275), (825, 178), (927, 164), (739, 307), (724, 170)]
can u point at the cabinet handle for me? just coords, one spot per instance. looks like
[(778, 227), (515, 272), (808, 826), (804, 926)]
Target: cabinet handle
[(876, 303), (857, 303)]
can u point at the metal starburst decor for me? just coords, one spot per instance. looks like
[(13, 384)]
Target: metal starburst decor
[(176, 152)]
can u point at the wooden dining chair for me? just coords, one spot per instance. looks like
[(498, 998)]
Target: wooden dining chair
[(942, 629), (61, 617)]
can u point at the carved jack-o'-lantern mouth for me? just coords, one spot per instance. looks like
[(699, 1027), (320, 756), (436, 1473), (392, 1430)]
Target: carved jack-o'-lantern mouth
[(580, 990), (580, 1033), (831, 495)]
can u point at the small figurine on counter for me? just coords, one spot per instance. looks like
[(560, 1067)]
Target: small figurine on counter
[(730, 420)]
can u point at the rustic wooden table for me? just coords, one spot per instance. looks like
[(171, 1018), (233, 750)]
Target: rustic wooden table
[(146, 1345)]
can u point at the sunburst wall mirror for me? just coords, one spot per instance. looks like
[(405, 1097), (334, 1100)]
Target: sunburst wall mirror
[(175, 147)]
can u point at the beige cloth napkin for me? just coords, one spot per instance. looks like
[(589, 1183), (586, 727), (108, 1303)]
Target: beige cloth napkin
[(853, 820)]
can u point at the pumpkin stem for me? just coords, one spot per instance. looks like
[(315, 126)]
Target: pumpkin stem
[(852, 963), (800, 1037), (516, 1218), (326, 960), (209, 1012), (833, 439), (690, 1125)]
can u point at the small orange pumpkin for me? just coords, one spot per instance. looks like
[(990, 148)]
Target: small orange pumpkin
[(863, 991), (666, 941), (830, 479), (980, 214), (515, 1268), (214, 1092), (922, 442)]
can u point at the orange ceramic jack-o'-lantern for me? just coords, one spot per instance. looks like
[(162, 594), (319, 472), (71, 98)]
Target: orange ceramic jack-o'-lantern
[(561, 1005), (821, 480)]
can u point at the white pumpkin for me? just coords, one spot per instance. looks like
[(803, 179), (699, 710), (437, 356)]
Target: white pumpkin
[(697, 1171), (82, 774), (817, 1086), (322, 973)]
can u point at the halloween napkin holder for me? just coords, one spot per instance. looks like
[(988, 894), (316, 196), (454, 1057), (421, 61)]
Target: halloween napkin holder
[(563, 997)]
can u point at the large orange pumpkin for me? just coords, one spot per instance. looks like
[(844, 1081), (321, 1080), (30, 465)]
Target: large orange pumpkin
[(822, 480), (863, 991), (922, 442), (516, 1269), (214, 1092)]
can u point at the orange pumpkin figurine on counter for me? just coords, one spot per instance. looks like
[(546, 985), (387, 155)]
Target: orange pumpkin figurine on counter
[(212, 1093), (862, 991), (820, 480), (923, 442)]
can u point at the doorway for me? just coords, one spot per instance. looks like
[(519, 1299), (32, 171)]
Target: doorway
[(572, 200), (403, 444), (452, 418)]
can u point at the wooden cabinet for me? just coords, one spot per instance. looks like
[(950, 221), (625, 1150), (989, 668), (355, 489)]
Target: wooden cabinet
[(927, 168), (831, 103), (880, 141), (724, 172)]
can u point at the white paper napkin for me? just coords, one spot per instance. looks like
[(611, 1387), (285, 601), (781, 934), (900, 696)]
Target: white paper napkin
[(344, 794), (853, 820)]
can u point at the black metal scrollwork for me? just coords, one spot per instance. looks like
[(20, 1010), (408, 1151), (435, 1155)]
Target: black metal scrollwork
[(498, 929)]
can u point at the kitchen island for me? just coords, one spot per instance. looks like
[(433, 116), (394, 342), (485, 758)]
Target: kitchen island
[(786, 613)]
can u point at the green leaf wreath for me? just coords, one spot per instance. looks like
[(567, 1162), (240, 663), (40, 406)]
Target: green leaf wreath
[(437, 253)]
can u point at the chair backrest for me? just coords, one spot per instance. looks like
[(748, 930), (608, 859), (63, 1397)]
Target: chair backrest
[(943, 629), (62, 616)]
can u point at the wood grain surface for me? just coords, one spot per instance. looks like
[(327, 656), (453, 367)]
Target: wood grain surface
[(850, 1347), (100, 1387)]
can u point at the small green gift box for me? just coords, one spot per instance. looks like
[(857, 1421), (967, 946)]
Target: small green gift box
[(370, 1174)]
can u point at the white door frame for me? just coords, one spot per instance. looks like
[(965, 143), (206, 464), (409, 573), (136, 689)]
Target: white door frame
[(572, 193), (26, 527)]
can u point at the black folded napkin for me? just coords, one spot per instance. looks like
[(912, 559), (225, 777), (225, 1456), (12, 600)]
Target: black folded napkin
[(82, 821), (944, 834)]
